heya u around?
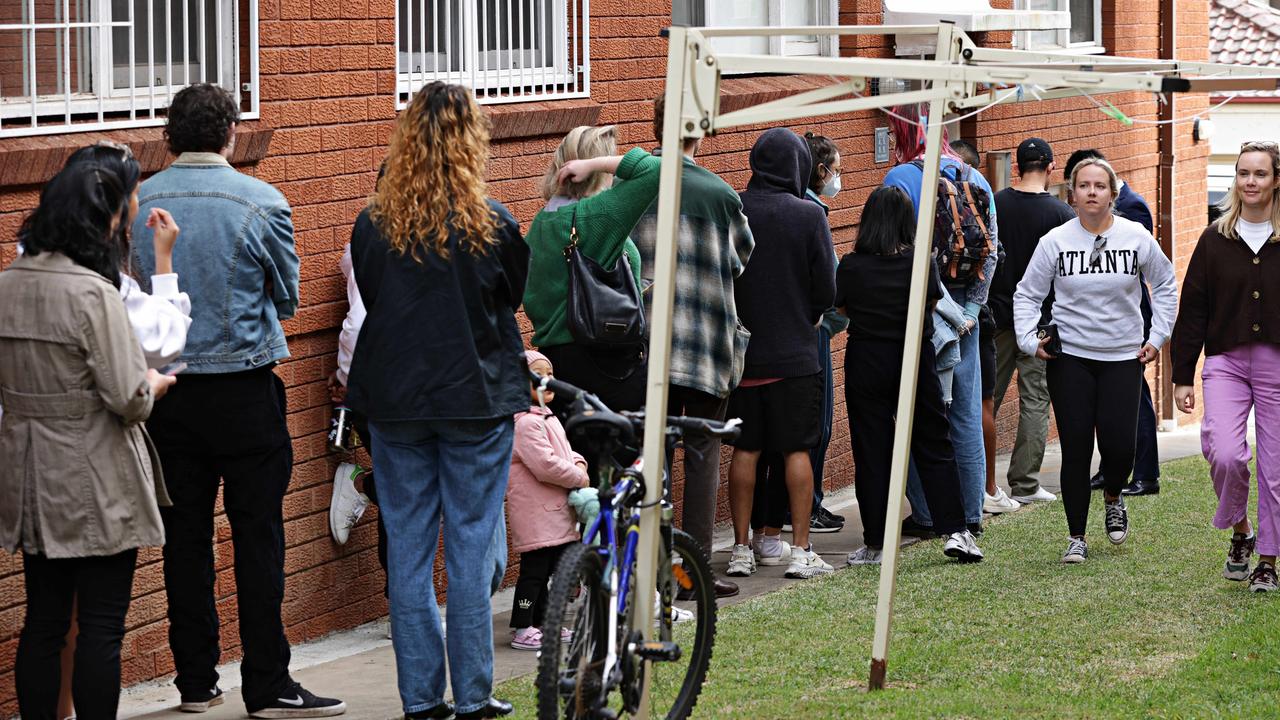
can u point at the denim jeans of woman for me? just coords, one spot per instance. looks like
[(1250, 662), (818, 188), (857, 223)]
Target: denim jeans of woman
[(455, 471)]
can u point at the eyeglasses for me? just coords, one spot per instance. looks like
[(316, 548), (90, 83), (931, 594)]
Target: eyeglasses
[(1099, 243), (124, 149)]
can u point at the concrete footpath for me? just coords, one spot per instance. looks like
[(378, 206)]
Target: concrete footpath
[(359, 667)]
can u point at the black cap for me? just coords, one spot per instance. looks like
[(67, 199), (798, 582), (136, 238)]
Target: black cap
[(1034, 150)]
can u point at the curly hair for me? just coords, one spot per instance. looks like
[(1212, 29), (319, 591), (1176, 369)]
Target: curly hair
[(434, 180), (200, 119)]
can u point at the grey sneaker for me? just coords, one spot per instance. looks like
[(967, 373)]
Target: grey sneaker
[(1237, 568), (1263, 578), (742, 563), (864, 556), (1117, 520), (1077, 551)]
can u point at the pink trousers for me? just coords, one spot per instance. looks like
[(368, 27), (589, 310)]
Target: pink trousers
[(1245, 378)]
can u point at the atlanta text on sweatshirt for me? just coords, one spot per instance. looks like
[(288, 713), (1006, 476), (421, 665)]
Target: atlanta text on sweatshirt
[(1096, 306)]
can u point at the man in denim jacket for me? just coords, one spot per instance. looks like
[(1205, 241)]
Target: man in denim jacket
[(239, 265)]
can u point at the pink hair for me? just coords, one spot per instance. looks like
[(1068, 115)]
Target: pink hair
[(909, 134)]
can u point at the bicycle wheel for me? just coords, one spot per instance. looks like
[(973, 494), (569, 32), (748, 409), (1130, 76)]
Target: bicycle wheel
[(675, 686), (570, 684)]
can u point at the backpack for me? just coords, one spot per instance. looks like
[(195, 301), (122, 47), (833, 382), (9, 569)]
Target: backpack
[(961, 240)]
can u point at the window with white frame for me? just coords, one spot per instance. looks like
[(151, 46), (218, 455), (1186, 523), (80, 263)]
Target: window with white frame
[(1085, 33), (506, 50), (79, 65), (763, 13)]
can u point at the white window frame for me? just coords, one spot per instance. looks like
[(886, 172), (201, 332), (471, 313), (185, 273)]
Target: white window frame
[(702, 13), (481, 68), (1024, 40), (105, 106)]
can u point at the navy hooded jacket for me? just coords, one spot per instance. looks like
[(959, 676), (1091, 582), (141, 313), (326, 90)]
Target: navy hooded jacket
[(790, 279)]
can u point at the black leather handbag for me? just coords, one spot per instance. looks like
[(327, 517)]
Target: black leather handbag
[(604, 308)]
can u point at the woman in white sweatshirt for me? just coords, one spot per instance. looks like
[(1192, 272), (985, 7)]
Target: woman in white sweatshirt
[(1094, 264)]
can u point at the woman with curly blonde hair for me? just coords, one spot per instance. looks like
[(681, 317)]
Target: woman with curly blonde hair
[(580, 190), (439, 374)]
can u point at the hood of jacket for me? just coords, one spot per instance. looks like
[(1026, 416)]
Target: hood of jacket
[(780, 162)]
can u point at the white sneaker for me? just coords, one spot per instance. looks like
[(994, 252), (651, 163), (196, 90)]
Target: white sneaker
[(864, 556), (1040, 495), (806, 564), (346, 504), (999, 503), (773, 551), (742, 563), (963, 547)]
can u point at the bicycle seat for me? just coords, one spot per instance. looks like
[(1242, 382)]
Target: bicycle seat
[(599, 432)]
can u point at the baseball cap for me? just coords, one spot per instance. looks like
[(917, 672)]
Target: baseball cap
[(1034, 150)]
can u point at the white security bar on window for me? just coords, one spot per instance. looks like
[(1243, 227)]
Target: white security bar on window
[(101, 64), (506, 50)]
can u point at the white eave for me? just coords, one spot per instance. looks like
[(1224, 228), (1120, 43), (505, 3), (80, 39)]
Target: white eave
[(968, 15)]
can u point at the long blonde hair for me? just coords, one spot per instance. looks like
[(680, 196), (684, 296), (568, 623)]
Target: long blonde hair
[(1232, 205), (434, 179), (582, 143)]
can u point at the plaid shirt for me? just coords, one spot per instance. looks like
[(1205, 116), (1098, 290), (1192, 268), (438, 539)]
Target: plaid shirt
[(708, 343)]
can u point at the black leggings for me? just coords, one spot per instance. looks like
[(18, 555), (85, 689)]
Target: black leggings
[(770, 503), (871, 380), (104, 586), (536, 568), (1093, 398)]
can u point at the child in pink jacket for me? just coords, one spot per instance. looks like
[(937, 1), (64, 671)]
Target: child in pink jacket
[(543, 471)]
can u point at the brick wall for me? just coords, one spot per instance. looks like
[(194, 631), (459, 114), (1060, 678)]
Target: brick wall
[(327, 91)]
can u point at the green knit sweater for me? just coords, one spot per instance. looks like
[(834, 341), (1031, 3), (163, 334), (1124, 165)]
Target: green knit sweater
[(604, 223)]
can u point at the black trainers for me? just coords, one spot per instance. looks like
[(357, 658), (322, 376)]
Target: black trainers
[(298, 702), (824, 522), (201, 702), (1237, 568), (828, 514), (1263, 578), (911, 528), (1117, 520)]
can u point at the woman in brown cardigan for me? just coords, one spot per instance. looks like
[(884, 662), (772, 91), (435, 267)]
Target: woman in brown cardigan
[(82, 485), (1231, 309)]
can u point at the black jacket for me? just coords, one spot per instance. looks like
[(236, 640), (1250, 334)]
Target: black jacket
[(440, 340), (790, 279)]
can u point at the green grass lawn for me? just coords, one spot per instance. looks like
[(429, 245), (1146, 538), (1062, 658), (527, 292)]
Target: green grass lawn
[(1148, 629)]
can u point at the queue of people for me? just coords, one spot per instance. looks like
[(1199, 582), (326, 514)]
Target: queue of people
[(1076, 299)]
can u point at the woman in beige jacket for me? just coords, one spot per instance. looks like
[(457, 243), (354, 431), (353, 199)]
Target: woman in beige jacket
[(82, 485)]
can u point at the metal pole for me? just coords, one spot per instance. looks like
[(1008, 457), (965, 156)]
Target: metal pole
[(664, 272), (910, 364)]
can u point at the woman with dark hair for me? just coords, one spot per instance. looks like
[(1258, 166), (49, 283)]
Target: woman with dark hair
[(441, 269), (873, 289), (83, 487)]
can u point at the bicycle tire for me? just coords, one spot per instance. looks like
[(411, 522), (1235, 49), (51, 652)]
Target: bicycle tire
[(578, 579), (697, 568)]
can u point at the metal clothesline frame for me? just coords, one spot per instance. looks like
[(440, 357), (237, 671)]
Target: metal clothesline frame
[(961, 75)]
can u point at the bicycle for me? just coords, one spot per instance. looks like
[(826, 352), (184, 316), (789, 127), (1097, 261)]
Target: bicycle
[(592, 646)]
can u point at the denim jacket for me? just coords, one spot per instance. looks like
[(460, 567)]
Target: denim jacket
[(235, 256)]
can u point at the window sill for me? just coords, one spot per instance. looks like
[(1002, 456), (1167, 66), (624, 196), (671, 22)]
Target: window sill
[(34, 160), (536, 119)]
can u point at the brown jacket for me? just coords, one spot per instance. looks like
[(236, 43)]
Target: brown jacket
[(1230, 297), (78, 474)]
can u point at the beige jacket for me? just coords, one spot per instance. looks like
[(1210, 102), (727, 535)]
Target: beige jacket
[(78, 474)]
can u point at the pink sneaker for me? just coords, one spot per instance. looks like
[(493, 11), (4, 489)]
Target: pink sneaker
[(529, 638)]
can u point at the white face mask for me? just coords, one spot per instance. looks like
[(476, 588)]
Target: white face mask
[(832, 186)]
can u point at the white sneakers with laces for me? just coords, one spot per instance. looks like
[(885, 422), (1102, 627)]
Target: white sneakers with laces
[(806, 564), (1040, 495), (346, 504), (999, 503), (742, 562), (963, 547)]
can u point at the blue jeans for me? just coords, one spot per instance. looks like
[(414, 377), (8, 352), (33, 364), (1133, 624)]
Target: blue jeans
[(818, 455), (455, 469), (965, 416)]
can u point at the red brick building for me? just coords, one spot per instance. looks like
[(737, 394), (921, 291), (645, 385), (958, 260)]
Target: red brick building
[(321, 81)]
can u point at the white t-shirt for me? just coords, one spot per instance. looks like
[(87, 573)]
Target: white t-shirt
[(1255, 235)]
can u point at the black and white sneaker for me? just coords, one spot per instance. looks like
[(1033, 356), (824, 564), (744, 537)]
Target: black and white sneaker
[(298, 702), (828, 514), (824, 522), (1263, 578), (1077, 551), (1237, 568), (201, 702), (1117, 520), (962, 547)]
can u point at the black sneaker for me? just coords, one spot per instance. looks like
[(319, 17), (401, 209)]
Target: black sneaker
[(201, 702), (823, 522), (975, 529), (1263, 578), (830, 515), (1097, 481), (1117, 520), (298, 702), (1238, 557), (911, 528)]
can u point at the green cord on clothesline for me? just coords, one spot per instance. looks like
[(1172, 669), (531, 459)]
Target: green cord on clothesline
[(1115, 113)]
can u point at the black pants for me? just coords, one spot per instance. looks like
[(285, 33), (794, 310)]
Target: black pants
[(229, 427), (536, 568), (771, 503), (617, 377), (104, 585), (361, 425), (1146, 461), (701, 463), (871, 380), (1093, 398)]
